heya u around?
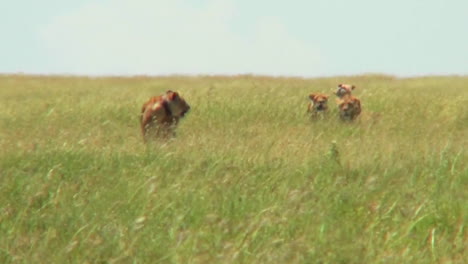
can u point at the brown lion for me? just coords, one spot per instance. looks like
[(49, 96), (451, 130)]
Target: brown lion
[(161, 114), (349, 107), (344, 90), (318, 104)]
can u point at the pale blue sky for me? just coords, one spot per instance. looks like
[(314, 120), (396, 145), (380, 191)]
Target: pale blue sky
[(300, 38)]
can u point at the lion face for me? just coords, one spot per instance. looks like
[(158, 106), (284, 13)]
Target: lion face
[(178, 106), (350, 108), (344, 89), (319, 102)]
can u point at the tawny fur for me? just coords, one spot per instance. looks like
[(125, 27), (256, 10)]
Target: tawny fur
[(344, 90), (349, 107), (161, 114), (318, 104)]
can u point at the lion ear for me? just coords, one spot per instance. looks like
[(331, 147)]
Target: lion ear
[(312, 96), (172, 95), (353, 87)]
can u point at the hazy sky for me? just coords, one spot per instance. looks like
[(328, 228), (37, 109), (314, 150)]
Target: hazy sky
[(297, 37)]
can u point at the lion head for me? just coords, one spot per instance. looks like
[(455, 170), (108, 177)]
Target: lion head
[(176, 104), (344, 89)]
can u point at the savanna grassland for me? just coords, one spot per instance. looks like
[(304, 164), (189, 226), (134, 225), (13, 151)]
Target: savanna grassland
[(248, 179)]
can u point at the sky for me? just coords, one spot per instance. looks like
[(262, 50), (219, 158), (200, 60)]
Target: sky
[(306, 38)]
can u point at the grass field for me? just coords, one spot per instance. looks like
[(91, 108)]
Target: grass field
[(249, 178)]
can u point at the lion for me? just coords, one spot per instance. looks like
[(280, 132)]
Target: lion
[(161, 114), (318, 104), (344, 90), (349, 107)]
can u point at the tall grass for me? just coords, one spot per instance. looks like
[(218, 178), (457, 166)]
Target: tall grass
[(249, 178)]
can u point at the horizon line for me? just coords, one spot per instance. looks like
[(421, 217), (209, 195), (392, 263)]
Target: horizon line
[(228, 75)]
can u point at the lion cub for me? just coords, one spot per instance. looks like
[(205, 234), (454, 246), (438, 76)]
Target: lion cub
[(344, 90), (318, 104), (349, 107)]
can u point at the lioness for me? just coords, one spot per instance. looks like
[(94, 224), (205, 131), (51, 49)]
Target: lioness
[(344, 89), (349, 107), (160, 115), (318, 104)]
